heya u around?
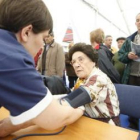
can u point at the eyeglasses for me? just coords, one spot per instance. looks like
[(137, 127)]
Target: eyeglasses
[(80, 60)]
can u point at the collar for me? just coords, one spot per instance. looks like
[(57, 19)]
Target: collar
[(131, 37), (52, 44), (97, 47), (80, 82)]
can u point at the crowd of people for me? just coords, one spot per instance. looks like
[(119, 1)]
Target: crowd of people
[(28, 51)]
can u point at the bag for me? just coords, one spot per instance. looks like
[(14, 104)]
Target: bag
[(56, 85)]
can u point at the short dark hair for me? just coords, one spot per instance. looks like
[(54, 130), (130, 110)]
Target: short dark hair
[(120, 38), (86, 49), (16, 14)]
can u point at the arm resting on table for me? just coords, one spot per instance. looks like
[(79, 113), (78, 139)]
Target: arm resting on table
[(53, 117)]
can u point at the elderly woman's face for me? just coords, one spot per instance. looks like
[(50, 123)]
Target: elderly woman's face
[(82, 64)]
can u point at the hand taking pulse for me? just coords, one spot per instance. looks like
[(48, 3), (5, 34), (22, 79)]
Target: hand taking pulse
[(132, 55)]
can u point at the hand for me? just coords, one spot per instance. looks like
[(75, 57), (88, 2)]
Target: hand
[(6, 127), (132, 55)]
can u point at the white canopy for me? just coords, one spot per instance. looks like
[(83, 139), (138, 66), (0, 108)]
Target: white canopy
[(115, 17)]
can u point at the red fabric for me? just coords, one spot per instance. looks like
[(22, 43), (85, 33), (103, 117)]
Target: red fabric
[(97, 47), (37, 56)]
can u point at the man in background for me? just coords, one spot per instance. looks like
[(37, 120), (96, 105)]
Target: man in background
[(52, 61), (128, 56), (108, 43)]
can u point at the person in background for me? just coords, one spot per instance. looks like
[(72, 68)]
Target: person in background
[(52, 61), (72, 77), (22, 90), (129, 57), (105, 104), (120, 41), (108, 43), (105, 55), (115, 59)]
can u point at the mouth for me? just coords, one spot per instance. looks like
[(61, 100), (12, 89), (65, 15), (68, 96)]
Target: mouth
[(78, 71)]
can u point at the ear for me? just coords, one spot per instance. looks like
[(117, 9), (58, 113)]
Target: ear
[(93, 64), (25, 33)]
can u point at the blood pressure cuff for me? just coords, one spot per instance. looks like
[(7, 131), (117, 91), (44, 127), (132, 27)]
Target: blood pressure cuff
[(78, 97)]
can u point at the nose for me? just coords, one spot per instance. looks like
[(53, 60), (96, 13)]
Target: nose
[(76, 65)]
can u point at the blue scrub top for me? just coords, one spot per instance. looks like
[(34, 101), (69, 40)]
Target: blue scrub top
[(22, 90)]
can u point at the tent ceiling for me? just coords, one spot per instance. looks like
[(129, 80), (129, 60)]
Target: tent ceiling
[(115, 17), (121, 12)]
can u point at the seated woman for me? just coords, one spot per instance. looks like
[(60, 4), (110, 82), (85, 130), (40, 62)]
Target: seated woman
[(105, 104)]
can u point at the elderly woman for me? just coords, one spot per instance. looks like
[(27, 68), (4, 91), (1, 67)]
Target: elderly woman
[(105, 104)]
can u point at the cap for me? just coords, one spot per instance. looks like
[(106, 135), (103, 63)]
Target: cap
[(120, 38)]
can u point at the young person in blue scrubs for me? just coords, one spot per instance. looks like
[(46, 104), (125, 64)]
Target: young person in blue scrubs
[(24, 24)]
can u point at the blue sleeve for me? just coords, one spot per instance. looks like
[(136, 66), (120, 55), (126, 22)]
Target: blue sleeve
[(22, 90)]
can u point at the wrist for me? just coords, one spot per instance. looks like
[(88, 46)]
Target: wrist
[(82, 108)]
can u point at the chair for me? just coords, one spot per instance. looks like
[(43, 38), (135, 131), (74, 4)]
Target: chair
[(129, 98)]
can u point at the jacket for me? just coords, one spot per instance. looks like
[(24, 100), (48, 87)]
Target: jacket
[(123, 57), (55, 61), (105, 64)]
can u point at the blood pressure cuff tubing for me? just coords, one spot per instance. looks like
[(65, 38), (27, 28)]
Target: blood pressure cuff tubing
[(78, 97)]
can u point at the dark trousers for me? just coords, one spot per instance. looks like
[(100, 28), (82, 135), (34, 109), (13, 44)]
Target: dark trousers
[(134, 80), (72, 81), (134, 122)]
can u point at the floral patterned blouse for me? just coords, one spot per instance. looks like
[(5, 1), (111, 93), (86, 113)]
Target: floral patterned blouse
[(105, 102)]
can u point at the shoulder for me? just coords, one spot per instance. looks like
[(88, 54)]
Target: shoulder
[(55, 44), (15, 56), (131, 37), (126, 45), (98, 77)]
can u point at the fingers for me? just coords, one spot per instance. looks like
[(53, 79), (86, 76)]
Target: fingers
[(132, 55)]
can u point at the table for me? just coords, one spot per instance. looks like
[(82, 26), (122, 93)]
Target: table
[(83, 129)]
